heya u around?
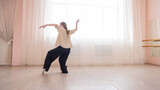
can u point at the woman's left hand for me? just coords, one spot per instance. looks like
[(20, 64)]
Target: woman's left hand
[(77, 21)]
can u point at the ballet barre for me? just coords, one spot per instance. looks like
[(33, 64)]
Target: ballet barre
[(152, 40)]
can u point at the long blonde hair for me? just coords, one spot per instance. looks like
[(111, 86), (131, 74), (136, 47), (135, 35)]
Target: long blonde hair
[(65, 27)]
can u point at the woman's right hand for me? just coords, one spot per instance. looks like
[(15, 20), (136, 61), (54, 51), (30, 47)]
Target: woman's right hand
[(42, 26)]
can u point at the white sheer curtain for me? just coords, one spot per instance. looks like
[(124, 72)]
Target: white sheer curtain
[(109, 31), (7, 16), (128, 36), (33, 43)]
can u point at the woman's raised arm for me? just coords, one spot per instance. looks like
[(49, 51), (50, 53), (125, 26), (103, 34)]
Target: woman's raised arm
[(76, 25), (73, 30)]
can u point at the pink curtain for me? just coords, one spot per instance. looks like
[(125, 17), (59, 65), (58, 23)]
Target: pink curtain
[(7, 17)]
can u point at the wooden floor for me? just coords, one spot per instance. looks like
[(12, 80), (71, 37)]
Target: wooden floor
[(139, 77)]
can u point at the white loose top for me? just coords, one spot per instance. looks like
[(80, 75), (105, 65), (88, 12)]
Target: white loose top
[(63, 39)]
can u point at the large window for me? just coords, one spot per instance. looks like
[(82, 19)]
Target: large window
[(98, 18)]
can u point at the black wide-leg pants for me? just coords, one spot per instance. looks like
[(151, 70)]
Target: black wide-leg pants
[(53, 54)]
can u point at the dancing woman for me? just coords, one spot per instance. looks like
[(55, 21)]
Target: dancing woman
[(63, 46)]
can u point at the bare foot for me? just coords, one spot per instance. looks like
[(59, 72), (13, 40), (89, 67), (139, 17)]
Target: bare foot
[(43, 72)]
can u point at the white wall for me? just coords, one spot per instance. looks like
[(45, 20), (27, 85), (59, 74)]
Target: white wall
[(4, 53)]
